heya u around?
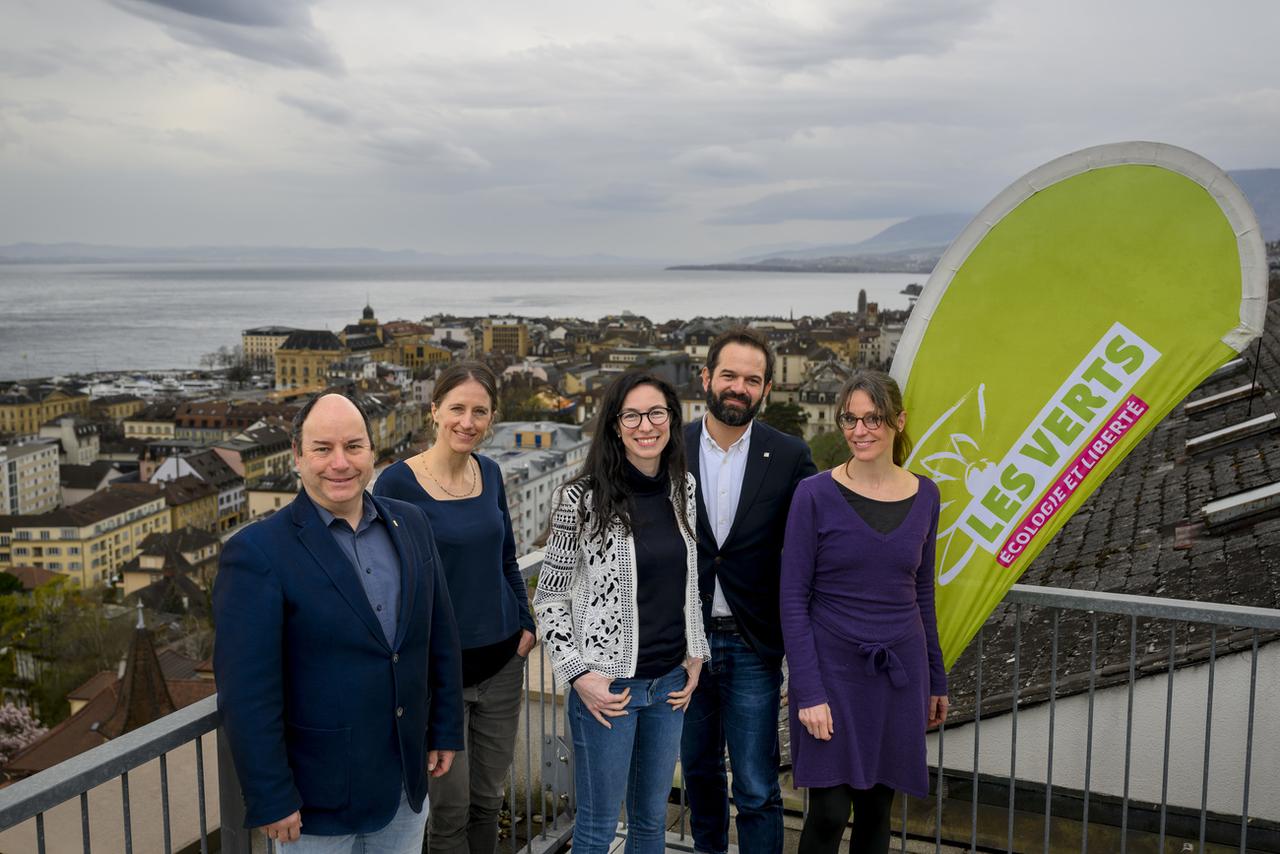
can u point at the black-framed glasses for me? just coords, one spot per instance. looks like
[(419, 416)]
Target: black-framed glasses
[(849, 421), (630, 419)]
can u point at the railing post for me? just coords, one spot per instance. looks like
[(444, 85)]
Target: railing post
[(235, 838)]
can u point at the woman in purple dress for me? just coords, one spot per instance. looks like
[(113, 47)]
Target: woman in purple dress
[(865, 669)]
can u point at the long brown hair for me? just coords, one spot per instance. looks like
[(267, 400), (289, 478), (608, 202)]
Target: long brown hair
[(886, 397), (604, 471)]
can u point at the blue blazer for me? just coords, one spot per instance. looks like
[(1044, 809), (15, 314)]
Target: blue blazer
[(321, 713)]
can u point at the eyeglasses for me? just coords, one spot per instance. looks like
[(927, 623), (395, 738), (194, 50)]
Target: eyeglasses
[(849, 421), (630, 419)]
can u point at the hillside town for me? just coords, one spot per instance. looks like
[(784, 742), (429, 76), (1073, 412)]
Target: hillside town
[(119, 489)]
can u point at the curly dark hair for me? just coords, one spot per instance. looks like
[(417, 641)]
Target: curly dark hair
[(604, 471)]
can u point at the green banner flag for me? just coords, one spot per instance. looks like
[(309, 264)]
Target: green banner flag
[(1067, 319)]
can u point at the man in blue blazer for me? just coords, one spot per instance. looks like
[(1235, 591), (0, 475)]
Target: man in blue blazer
[(747, 473), (337, 659)]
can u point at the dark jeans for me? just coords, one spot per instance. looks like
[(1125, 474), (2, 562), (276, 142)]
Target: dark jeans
[(465, 801), (829, 813), (736, 704)]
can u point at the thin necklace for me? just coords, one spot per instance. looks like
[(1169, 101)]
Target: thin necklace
[(427, 468)]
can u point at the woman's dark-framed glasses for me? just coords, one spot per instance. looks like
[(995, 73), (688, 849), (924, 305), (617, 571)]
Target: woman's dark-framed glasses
[(849, 421), (630, 419)]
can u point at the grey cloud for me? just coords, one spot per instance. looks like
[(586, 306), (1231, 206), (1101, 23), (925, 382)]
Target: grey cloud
[(322, 111), (8, 136), (719, 161), (246, 13), (414, 149), (841, 202), (624, 198), (279, 32), (892, 29), (30, 63)]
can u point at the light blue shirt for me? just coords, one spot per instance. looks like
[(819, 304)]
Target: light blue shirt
[(720, 471)]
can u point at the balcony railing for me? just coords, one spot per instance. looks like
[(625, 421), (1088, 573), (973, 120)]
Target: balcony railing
[(1084, 780)]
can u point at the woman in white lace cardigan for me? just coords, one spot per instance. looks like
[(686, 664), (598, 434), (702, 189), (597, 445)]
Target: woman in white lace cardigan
[(617, 607)]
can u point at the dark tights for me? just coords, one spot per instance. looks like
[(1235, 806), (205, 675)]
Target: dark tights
[(829, 812)]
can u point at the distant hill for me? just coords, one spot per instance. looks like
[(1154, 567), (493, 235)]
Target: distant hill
[(932, 232), (88, 253), (1262, 188), (921, 240)]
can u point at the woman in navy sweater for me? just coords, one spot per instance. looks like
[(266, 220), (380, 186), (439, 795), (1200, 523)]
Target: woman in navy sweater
[(463, 496)]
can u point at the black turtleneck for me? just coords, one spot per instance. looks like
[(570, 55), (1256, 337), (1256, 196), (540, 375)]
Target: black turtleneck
[(661, 562)]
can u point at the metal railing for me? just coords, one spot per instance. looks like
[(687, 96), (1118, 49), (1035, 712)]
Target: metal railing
[(1133, 646), (34, 798), (975, 802)]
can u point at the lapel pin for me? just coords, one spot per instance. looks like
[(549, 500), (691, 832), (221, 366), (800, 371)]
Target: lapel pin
[(766, 455), (394, 522)]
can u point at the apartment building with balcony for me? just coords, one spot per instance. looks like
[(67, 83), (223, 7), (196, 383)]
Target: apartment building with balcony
[(90, 540), (29, 481)]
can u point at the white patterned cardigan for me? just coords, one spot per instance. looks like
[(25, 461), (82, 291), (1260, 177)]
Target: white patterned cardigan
[(586, 597)]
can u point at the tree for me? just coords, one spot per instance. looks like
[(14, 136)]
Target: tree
[(18, 728), (68, 637), (787, 417), (9, 583), (829, 449)]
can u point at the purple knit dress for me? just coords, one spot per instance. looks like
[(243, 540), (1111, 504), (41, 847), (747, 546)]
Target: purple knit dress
[(860, 634)]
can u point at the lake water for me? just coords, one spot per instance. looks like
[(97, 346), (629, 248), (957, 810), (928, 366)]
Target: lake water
[(57, 319)]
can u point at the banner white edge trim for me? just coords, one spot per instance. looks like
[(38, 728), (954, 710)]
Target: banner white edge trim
[(1231, 201)]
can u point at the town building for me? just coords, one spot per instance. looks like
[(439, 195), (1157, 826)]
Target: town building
[(418, 353), (156, 452), (304, 359), (188, 553), (791, 363), (155, 421), (507, 335), (192, 503), (535, 458), (818, 396), (116, 407), (259, 346), (693, 401), (257, 452), (201, 420), (267, 495), (24, 408), (78, 482), (90, 540), (76, 436), (29, 477), (210, 468), (696, 337)]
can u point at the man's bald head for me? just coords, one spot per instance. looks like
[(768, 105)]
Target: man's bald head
[(295, 433)]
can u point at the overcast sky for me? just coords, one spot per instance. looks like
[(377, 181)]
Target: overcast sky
[(646, 128)]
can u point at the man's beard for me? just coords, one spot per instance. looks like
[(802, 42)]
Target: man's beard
[(727, 414)]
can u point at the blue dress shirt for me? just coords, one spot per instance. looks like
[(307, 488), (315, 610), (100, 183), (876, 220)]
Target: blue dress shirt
[(374, 558)]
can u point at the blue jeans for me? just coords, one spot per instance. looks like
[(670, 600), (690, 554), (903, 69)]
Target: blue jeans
[(402, 836), (736, 703), (644, 743)]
